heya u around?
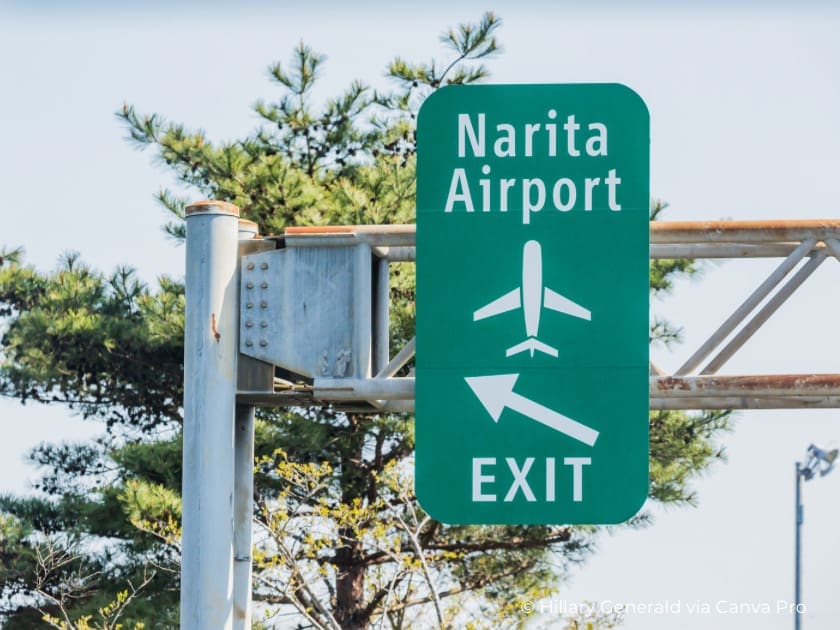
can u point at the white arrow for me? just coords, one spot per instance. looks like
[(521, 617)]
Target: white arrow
[(496, 393)]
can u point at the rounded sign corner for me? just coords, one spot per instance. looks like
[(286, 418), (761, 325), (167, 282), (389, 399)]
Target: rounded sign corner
[(633, 509), (430, 507), (431, 101), (633, 95)]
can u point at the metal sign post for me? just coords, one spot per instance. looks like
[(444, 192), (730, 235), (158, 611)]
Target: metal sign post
[(211, 351), (532, 346)]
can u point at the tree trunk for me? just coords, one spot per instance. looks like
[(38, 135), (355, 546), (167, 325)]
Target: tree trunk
[(350, 568), (350, 585)]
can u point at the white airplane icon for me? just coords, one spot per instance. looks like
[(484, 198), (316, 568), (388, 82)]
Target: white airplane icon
[(532, 296)]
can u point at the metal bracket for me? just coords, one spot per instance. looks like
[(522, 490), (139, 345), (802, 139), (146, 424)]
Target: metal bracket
[(308, 310)]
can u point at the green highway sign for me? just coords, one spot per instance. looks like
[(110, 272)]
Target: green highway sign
[(532, 304)]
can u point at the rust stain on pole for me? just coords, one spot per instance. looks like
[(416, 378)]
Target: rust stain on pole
[(216, 334)]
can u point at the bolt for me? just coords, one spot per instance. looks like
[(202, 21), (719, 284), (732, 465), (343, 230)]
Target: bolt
[(249, 305), (264, 285), (264, 266), (250, 266), (249, 324), (250, 285), (263, 324), (263, 343), (263, 304), (249, 343)]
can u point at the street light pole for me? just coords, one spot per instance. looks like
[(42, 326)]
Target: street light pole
[(816, 461), (797, 615)]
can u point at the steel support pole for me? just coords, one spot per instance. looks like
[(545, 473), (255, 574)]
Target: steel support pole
[(243, 509), (210, 355), (797, 590), (243, 471)]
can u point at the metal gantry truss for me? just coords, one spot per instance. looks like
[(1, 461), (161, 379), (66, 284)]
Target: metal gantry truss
[(803, 245)]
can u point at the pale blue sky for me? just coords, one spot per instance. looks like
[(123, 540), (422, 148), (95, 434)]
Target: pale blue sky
[(743, 112)]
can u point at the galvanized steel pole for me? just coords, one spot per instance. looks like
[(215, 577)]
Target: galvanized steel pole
[(210, 357), (797, 588), (243, 481), (243, 508)]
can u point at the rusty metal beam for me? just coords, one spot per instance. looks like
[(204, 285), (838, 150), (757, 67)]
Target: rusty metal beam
[(758, 391), (751, 385), (374, 235), (744, 402), (669, 239), (772, 231), (743, 231), (754, 391)]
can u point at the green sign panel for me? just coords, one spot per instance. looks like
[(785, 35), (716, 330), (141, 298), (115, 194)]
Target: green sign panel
[(532, 304)]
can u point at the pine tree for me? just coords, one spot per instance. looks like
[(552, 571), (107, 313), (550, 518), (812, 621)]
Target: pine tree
[(340, 538)]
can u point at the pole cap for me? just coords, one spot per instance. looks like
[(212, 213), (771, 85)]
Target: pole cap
[(248, 229), (212, 206)]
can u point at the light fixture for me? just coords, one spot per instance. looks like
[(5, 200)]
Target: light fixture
[(818, 460)]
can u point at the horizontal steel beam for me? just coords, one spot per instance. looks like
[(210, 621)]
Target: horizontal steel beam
[(669, 239), (661, 232), (726, 250), (743, 231), (752, 386), (658, 251), (407, 253), (687, 403), (757, 391), (373, 235), (363, 388)]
